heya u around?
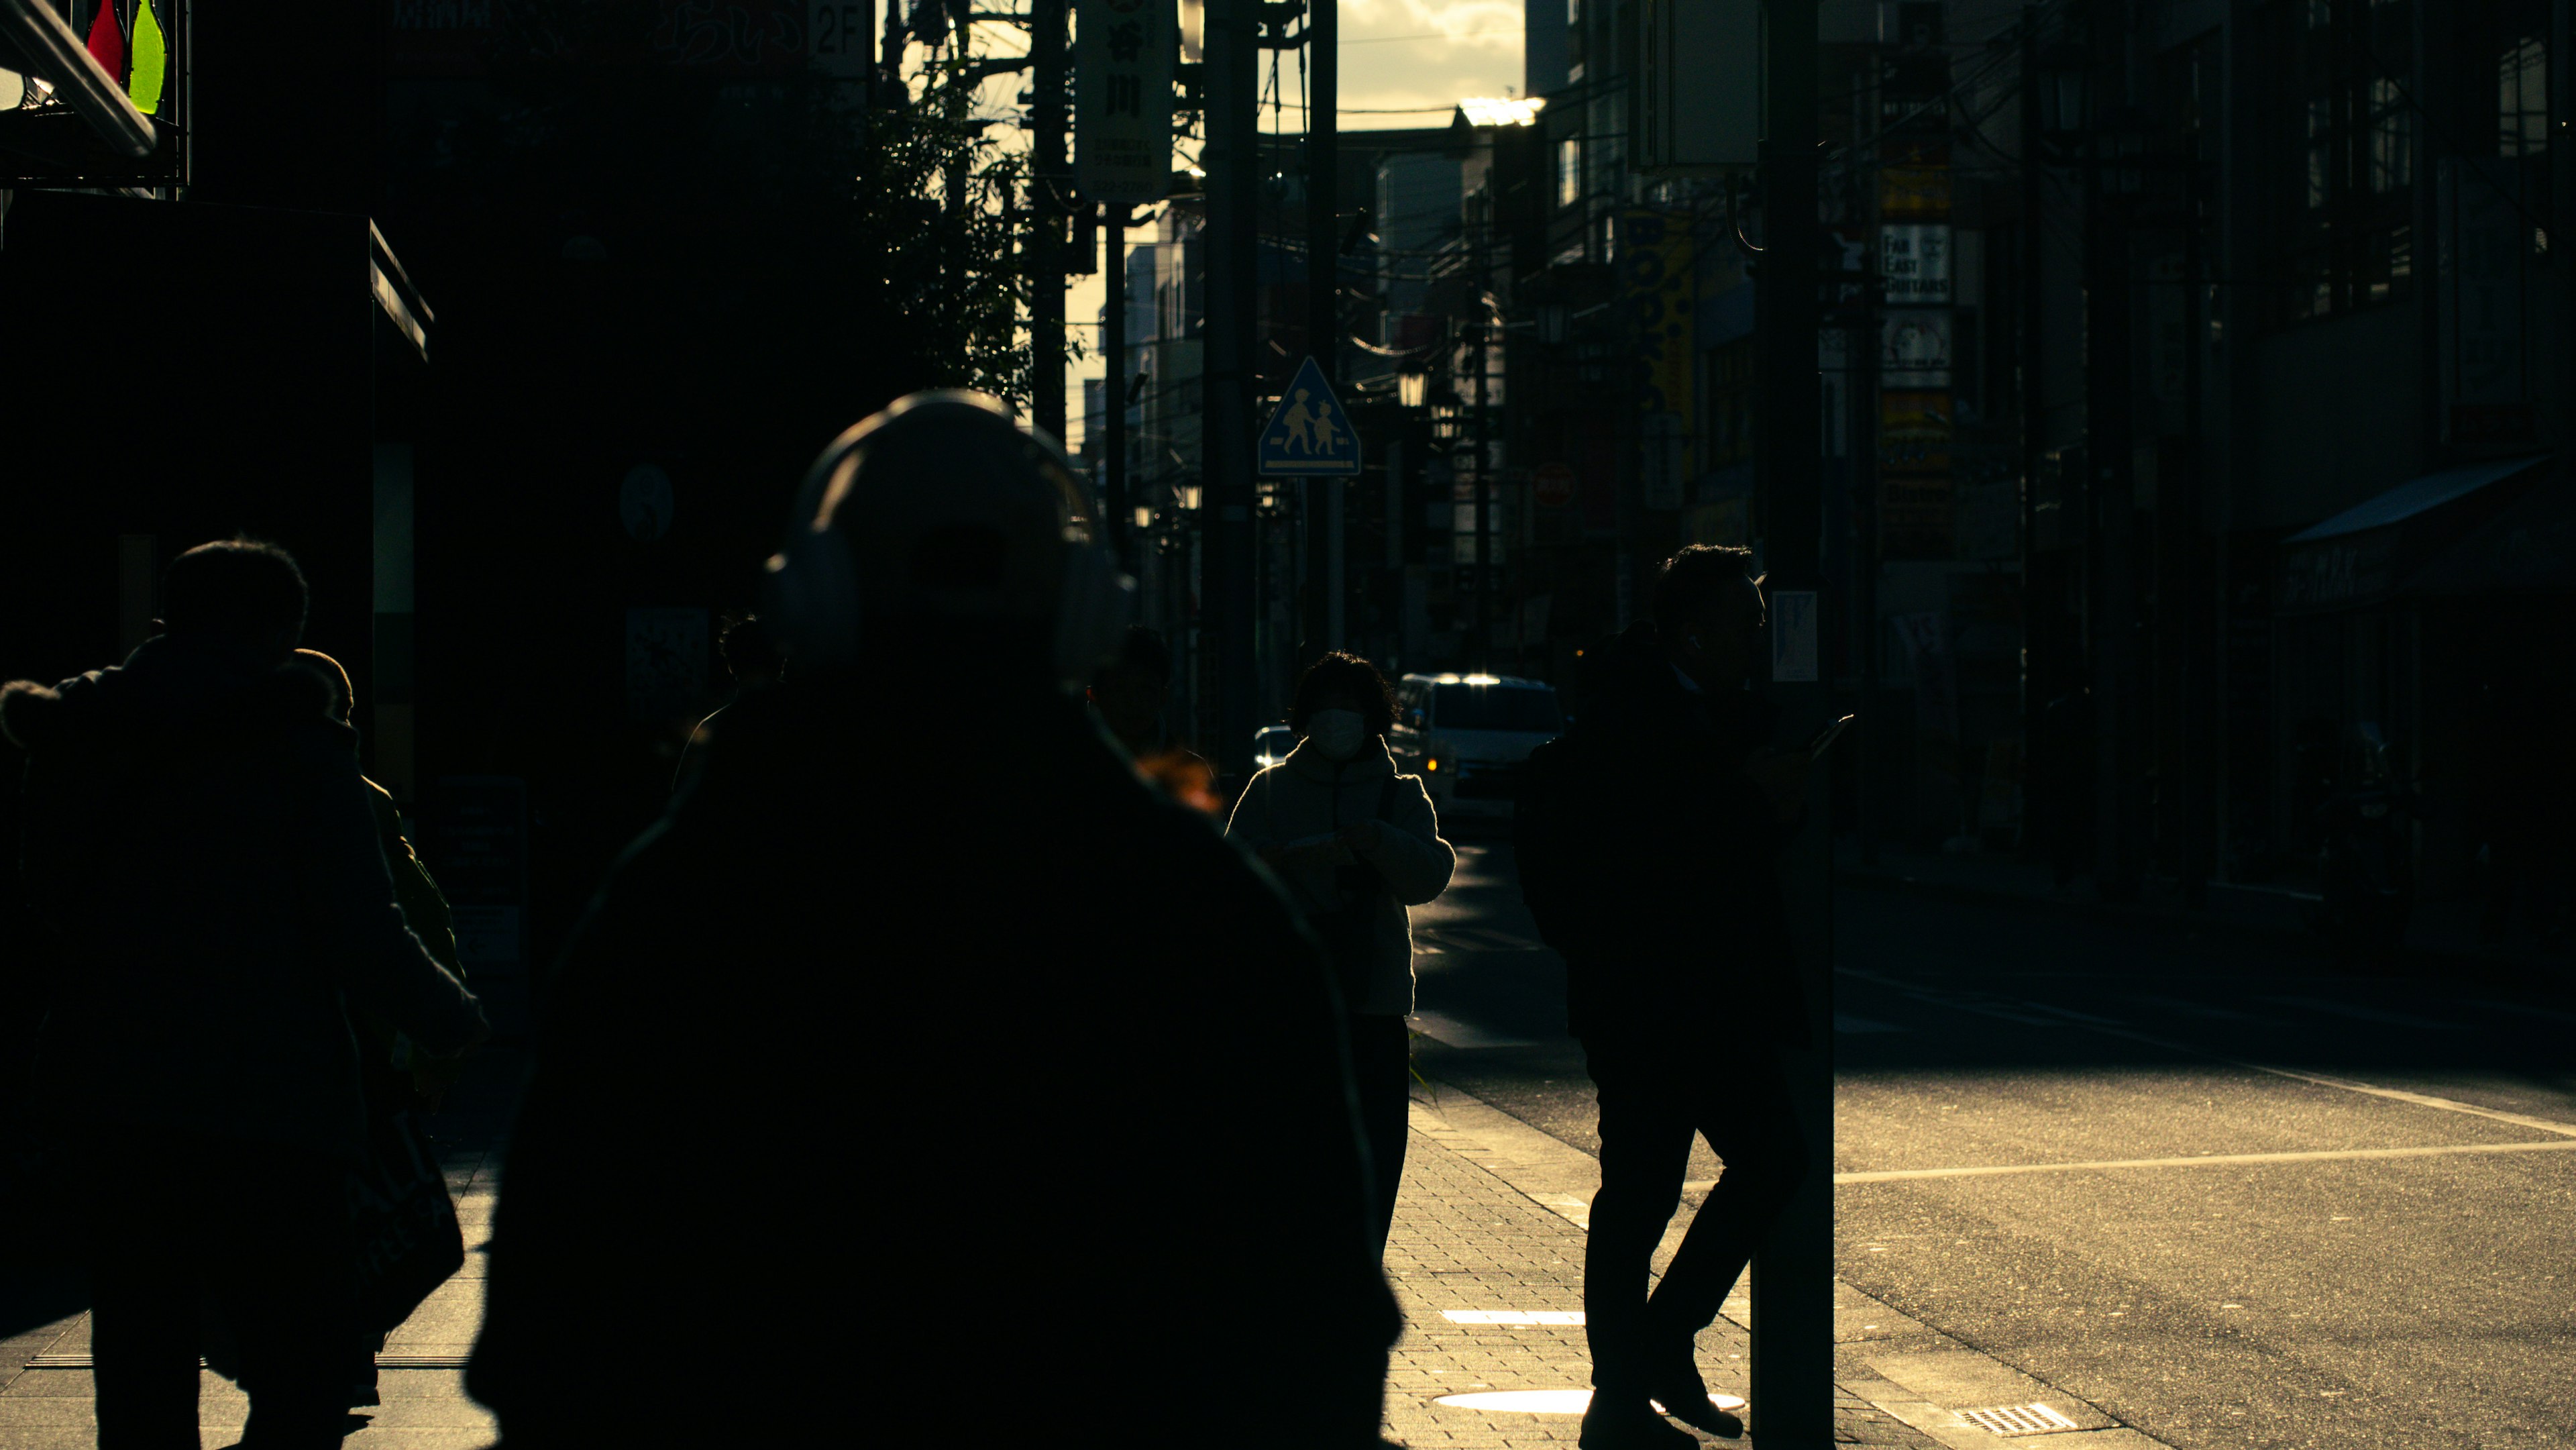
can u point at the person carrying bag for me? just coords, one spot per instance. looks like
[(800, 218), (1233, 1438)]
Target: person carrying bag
[(1356, 844)]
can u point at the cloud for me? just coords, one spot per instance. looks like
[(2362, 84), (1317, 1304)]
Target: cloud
[(1480, 55)]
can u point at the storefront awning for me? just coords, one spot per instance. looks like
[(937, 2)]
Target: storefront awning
[(2360, 556), (2530, 548)]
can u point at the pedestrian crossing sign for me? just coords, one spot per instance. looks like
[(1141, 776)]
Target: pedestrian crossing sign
[(1309, 436)]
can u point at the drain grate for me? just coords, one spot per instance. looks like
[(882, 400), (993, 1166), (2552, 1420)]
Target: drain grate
[(2018, 1420)]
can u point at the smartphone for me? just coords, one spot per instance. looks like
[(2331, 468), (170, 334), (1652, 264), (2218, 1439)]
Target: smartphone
[(1825, 737)]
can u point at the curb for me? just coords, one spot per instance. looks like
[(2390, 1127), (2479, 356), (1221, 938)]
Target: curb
[(2414, 960)]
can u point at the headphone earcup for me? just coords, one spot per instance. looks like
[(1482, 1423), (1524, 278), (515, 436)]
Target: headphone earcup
[(814, 592), (1092, 610)]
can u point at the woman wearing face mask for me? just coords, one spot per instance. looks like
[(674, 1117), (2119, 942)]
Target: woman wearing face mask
[(1355, 843)]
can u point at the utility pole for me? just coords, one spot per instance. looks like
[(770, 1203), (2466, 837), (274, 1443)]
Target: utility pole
[(1232, 48), (1485, 573), (1113, 344), (2108, 447), (1323, 309), (1047, 187), (2035, 681), (1793, 1269)]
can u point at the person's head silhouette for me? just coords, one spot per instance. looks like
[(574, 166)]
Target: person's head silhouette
[(943, 527)]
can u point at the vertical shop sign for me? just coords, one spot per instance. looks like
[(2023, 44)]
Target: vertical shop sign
[(1122, 57), (1914, 257), (2486, 377), (1655, 254)]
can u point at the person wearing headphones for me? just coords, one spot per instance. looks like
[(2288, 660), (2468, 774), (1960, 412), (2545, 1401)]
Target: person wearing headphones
[(956, 1106)]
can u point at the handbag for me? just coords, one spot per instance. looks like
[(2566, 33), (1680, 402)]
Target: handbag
[(403, 1224)]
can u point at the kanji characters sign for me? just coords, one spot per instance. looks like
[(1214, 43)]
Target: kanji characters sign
[(1123, 52)]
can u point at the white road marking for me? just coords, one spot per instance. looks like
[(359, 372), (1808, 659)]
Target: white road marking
[(2212, 1160), (1846, 1022), (2367, 1014), (1450, 1032), (1512, 1316)]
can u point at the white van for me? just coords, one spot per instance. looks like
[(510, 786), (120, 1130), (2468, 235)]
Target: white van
[(1466, 736)]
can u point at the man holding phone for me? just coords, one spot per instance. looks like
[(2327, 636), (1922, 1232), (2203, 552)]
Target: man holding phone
[(1648, 853)]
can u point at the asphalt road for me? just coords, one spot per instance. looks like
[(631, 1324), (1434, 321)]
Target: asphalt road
[(2317, 1210)]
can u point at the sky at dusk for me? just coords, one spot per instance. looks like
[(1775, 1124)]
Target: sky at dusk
[(1397, 56)]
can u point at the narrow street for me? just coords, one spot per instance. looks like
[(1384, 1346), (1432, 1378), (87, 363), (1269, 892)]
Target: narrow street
[(2206, 1188)]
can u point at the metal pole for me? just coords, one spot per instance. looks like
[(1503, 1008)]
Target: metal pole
[(1113, 346), (1793, 1269), (1233, 171), (1323, 314), (2035, 682), (1047, 185), (1485, 574)]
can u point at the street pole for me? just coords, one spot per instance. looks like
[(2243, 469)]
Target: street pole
[(2108, 439), (1232, 48), (1484, 506), (1113, 346), (2034, 427), (1047, 185), (1793, 1269), (1323, 314)]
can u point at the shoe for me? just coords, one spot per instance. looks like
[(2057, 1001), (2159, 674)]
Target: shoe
[(1626, 1423), (1681, 1393)]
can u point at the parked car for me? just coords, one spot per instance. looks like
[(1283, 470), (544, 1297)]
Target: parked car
[(1468, 735), (1271, 744)]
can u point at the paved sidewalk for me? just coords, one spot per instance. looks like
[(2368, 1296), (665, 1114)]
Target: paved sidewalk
[(1486, 1260), (1468, 1243), (425, 1408)]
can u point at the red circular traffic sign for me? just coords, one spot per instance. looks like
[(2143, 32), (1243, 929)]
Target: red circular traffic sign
[(1554, 484)]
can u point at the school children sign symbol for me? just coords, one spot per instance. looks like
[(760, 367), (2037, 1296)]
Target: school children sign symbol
[(1309, 436)]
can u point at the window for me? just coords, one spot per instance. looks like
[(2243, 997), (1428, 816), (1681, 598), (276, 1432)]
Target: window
[(2522, 99), (2348, 131), (1569, 171)]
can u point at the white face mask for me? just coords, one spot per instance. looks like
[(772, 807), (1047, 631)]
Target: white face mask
[(1337, 733)]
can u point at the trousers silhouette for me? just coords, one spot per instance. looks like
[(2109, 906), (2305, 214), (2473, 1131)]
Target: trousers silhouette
[(174, 1218), (1658, 1088)]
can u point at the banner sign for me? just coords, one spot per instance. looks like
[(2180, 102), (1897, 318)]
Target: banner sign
[(1122, 57)]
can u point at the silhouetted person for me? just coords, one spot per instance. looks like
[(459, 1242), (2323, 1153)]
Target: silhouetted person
[(755, 662), (1129, 693), (1650, 865), (1356, 842), (396, 1078), (202, 850), (1131, 688), (920, 1025)]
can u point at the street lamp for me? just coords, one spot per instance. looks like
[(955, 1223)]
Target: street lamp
[(1412, 385)]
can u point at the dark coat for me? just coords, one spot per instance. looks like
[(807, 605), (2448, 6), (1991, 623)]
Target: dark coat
[(901, 1055), (1665, 891), (201, 848)]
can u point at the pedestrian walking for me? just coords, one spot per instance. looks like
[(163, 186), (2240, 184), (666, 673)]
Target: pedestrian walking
[(400, 1083), (753, 659), (1647, 845), (1357, 843), (201, 852), (922, 1040), (1129, 693)]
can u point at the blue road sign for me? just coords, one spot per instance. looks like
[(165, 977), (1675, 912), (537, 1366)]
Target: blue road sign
[(1309, 436)]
